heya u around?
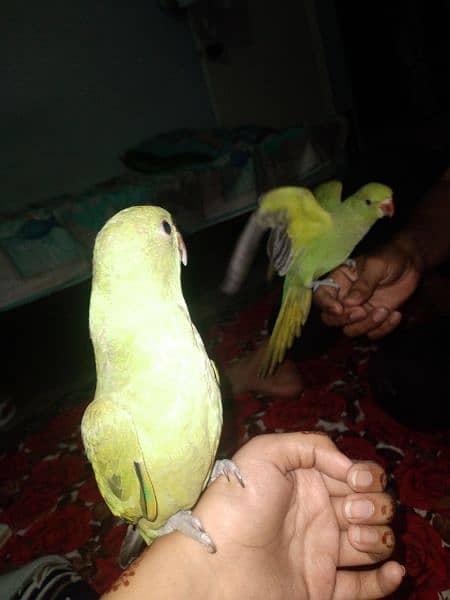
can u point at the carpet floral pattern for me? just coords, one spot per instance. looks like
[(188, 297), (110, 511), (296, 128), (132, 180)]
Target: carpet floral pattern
[(49, 502)]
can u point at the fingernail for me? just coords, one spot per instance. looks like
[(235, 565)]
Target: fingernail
[(359, 509), (361, 478), (366, 535), (395, 318), (379, 315), (388, 539), (354, 315), (387, 510)]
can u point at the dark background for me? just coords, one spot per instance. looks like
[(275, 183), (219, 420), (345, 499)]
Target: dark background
[(81, 83)]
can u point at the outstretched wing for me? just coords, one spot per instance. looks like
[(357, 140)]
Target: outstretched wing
[(296, 219), (280, 249), (329, 194), (112, 446), (298, 210)]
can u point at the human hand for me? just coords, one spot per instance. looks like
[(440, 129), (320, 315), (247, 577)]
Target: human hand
[(368, 303), (305, 512)]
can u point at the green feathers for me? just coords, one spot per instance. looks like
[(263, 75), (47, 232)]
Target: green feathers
[(311, 235), (152, 430), (297, 209), (293, 313)]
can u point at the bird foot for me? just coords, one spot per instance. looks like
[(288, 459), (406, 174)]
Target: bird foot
[(350, 263), (185, 523), (328, 281), (225, 467)]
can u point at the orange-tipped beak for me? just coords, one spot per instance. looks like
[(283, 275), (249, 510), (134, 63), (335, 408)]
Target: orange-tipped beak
[(182, 249), (387, 206)]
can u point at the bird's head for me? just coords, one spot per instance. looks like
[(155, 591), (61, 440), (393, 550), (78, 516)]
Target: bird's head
[(139, 249), (375, 199)]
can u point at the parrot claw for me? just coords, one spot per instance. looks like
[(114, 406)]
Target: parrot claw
[(226, 467), (350, 263), (316, 284), (185, 523)]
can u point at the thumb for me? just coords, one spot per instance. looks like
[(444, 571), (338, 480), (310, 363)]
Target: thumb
[(371, 273)]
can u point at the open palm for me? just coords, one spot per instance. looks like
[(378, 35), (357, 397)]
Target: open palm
[(288, 527)]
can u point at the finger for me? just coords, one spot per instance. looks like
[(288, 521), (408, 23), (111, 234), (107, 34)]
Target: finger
[(355, 313), (364, 476), (335, 487), (367, 476), (334, 320), (347, 317), (371, 272), (329, 299), (370, 584), (300, 450), (365, 545), (378, 540), (371, 509), (389, 325), (374, 319), (350, 272), (326, 299)]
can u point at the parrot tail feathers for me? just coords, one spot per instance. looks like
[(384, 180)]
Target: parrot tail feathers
[(131, 546), (292, 316)]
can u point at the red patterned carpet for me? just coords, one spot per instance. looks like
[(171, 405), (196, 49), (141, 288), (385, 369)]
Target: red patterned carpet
[(49, 499)]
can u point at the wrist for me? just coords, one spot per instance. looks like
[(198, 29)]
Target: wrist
[(409, 244), (189, 566), (174, 566)]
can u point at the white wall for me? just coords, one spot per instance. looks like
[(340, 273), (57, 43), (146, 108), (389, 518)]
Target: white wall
[(81, 81)]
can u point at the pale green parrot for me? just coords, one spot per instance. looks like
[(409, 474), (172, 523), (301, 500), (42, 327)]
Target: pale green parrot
[(152, 430), (311, 235)]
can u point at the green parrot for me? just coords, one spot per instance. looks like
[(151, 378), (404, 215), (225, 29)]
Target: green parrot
[(311, 235), (151, 433)]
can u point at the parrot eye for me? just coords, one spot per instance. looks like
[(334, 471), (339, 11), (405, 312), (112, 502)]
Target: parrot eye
[(368, 202), (167, 227)]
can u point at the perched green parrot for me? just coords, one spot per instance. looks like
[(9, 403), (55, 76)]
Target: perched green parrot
[(311, 235), (152, 430)]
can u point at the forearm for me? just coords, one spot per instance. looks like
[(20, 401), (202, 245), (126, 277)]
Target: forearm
[(427, 235), (172, 567), (245, 524)]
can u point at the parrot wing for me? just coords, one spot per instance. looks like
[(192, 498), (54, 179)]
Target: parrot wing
[(280, 250), (215, 372), (295, 219), (329, 194), (296, 209), (112, 446)]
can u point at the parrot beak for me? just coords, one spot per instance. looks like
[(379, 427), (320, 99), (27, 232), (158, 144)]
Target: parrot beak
[(182, 249), (387, 206)]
